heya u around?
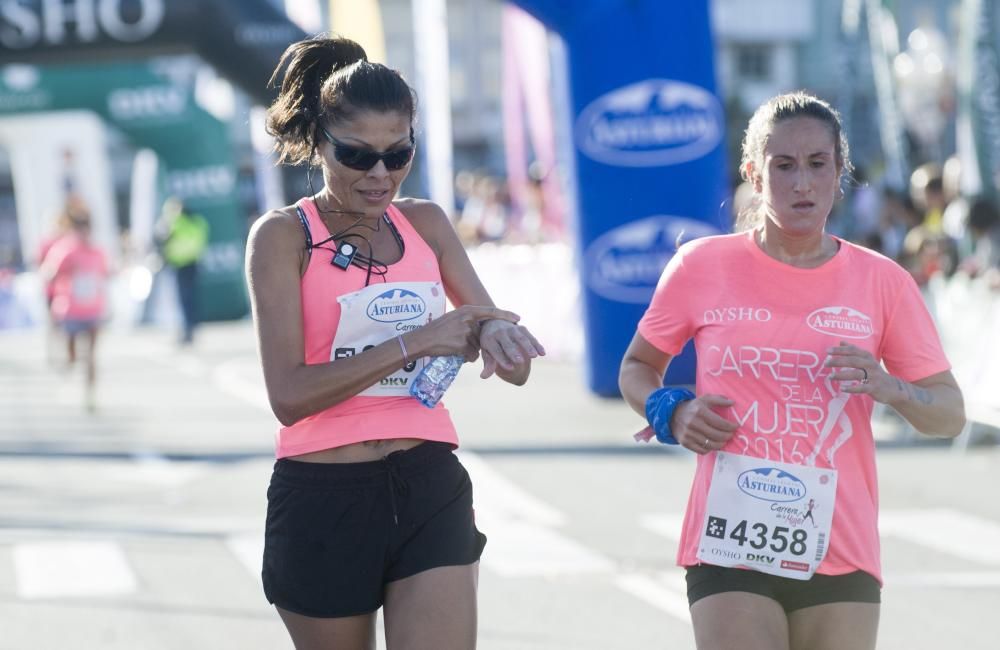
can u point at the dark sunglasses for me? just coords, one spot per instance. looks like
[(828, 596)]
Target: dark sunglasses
[(365, 159)]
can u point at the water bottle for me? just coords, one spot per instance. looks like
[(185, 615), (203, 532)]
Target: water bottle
[(431, 383)]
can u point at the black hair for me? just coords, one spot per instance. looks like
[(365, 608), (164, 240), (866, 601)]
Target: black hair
[(983, 215), (329, 79)]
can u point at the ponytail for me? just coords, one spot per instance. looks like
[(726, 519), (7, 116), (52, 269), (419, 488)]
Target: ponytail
[(307, 65)]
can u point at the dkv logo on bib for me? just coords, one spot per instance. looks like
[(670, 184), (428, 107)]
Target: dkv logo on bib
[(396, 305), (651, 123)]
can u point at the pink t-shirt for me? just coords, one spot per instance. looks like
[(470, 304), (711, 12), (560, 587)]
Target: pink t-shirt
[(361, 417), (761, 329), (79, 273)]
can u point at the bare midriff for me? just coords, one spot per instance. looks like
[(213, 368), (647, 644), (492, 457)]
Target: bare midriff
[(359, 452)]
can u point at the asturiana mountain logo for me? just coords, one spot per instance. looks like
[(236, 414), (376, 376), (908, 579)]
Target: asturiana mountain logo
[(396, 305), (771, 484), (624, 264), (841, 322), (651, 123)]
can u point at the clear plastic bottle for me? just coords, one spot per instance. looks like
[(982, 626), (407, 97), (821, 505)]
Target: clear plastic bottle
[(431, 383)]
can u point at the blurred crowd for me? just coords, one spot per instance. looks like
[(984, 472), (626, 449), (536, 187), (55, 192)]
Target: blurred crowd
[(931, 229), (485, 211)]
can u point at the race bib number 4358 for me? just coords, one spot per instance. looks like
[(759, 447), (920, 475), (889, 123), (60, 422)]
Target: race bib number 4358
[(768, 516)]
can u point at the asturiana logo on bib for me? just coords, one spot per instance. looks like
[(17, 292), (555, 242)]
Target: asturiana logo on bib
[(841, 321), (771, 484), (651, 123), (396, 305), (624, 264)]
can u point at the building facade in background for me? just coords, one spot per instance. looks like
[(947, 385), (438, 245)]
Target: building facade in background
[(757, 56)]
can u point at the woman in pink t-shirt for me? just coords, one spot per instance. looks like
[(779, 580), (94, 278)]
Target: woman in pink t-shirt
[(76, 270), (798, 334)]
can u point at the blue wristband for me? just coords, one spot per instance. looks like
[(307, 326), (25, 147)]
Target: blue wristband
[(660, 407)]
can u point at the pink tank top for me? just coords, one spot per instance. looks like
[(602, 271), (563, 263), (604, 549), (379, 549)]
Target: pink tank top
[(336, 300)]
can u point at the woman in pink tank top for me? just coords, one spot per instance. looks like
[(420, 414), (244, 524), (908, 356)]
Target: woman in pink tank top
[(367, 507), (798, 334)]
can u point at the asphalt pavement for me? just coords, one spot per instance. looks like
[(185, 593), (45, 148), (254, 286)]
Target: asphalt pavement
[(139, 525)]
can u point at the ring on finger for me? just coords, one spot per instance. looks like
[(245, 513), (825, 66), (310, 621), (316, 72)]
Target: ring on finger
[(864, 378), (707, 444)]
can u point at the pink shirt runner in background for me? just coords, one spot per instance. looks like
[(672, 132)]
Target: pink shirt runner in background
[(79, 272), (761, 330)]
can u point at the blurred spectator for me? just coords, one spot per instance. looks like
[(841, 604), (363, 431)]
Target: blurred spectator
[(485, 215), (927, 250), (957, 210), (183, 237), (865, 207), (528, 227), (924, 255), (465, 181), (897, 216), (927, 192), (983, 231), (12, 314)]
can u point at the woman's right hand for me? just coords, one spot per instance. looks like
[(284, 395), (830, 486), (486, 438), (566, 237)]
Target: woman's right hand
[(698, 426), (456, 333)]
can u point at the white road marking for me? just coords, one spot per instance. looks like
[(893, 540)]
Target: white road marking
[(184, 364), (155, 469), (945, 579), (522, 539), (949, 531), (518, 548), (503, 498), (71, 569), (667, 524), (238, 377), (667, 594), (249, 550), (241, 379)]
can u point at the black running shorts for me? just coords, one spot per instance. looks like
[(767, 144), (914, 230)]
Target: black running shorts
[(337, 533), (858, 587)]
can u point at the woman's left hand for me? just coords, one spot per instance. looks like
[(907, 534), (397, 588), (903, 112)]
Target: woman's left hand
[(507, 349), (860, 373)]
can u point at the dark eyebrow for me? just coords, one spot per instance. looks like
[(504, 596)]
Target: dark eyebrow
[(821, 154)]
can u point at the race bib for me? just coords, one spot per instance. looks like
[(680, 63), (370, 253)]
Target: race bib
[(380, 312), (86, 287), (768, 516)]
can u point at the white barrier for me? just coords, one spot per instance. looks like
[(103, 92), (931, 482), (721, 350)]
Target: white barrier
[(967, 312), (540, 283)]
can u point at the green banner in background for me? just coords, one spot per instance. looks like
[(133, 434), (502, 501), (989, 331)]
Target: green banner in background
[(152, 103), (979, 99)]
